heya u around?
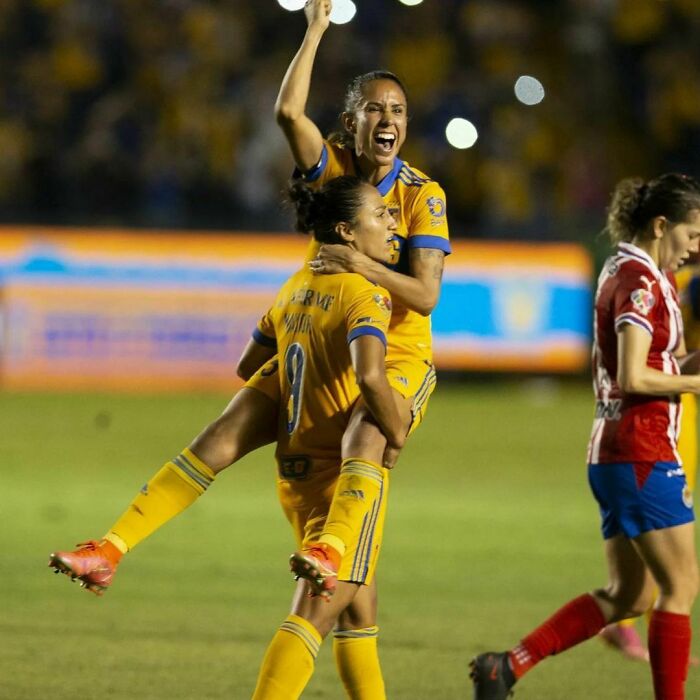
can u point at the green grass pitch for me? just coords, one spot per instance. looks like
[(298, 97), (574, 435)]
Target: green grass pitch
[(490, 528)]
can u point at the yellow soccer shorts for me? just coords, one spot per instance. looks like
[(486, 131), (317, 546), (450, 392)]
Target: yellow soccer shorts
[(414, 378), (266, 380), (411, 377), (305, 488)]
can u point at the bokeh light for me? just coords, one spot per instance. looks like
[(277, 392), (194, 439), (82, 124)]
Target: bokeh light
[(461, 133), (343, 11), (292, 5), (410, 3), (529, 90)]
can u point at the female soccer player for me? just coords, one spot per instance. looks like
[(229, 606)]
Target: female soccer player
[(330, 333), (640, 366), (374, 129), (623, 635), (374, 121)]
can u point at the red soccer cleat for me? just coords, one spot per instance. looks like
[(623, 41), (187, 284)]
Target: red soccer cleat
[(318, 565), (93, 564)]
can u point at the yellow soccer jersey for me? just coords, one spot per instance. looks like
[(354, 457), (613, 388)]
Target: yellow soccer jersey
[(312, 323), (418, 205)]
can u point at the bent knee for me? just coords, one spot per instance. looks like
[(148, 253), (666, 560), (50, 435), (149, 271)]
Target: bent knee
[(627, 601)]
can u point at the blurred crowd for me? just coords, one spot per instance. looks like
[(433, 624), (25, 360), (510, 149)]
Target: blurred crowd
[(159, 113)]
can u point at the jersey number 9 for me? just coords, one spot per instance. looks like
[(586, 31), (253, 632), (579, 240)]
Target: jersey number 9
[(294, 368)]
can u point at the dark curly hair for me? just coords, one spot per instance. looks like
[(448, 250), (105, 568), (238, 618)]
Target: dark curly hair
[(636, 202), (319, 211)]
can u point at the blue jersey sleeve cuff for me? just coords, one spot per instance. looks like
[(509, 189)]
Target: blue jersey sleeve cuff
[(262, 339), (430, 242), (315, 172), (366, 330)]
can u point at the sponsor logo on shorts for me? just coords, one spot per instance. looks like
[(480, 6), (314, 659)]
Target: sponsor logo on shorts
[(675, 472), (294, 467), (270, 368), (403, 380), (144, 489), (687, 497)]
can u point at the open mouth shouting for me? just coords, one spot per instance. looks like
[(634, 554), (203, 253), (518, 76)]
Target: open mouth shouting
[(385, 141)]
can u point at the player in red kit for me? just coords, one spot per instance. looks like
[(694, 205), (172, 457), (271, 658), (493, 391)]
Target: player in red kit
[(640, 366)]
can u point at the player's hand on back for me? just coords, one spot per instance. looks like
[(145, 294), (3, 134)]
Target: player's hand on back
[(318, 13)]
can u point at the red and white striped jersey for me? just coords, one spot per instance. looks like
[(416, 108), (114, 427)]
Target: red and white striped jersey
[(634, 427)]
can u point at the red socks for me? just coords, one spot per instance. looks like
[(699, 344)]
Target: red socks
[(669, 650), (578, 620)]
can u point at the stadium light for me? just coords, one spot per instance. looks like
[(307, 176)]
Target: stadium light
[(292, 5), (461, 133), (343, 11), (529, 90), (411, 3)]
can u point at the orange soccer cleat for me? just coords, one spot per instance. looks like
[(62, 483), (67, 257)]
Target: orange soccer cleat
[(93, 564), (318, 565)]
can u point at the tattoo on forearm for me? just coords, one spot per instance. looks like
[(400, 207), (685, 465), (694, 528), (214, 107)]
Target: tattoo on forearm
[(423, 253), (434, 255)]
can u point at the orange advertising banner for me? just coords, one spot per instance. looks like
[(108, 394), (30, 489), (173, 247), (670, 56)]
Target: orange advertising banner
[(163, 311)]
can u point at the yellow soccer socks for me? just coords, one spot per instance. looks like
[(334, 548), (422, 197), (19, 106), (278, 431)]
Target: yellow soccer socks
[(357, 661), (289, 661), (175, 487), (359, 484)]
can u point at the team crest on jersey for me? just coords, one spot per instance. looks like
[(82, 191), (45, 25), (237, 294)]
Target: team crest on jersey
[(687, 497), (436, 206), (384, 303), (643, 300)]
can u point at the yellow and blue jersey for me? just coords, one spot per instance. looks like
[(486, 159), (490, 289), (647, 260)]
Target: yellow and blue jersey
[(312, 323), (419, 207), (688, 285)]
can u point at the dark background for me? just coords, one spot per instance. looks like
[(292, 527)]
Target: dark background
[(160, 113)]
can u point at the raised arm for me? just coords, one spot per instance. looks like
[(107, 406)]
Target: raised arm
[(634, 376), (305, 139)]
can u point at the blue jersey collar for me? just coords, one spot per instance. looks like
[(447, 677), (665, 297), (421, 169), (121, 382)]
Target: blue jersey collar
[(387, 182)]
